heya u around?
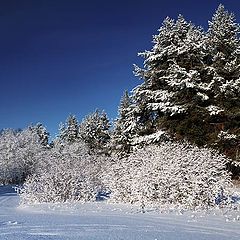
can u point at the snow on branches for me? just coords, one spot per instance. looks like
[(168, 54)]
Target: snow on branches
[(171, 174), (190, 82), (68, 173), (20, 153)]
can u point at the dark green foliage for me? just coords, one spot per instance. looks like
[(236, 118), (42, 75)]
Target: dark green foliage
[(191, 85)]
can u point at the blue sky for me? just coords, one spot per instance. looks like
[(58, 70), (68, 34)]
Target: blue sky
[(66, 56)]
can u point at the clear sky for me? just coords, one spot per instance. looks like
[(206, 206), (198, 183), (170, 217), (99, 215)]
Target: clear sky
[(72, 56)]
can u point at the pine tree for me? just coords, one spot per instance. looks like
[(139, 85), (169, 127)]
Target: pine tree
[(223, 44), (41, 132), (94, 131), (69, 132), (172, 75), (191, 83), (122, 135)]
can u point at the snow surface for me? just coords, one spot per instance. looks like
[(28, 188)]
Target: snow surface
[(100, 220)]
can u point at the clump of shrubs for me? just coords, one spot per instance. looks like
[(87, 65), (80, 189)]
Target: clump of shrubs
[(170, 174)]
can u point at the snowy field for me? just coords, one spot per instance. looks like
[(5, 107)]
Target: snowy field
[(105, 221)]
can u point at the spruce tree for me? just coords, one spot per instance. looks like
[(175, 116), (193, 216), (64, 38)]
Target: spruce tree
[(122, 135), (94, 131), (172, 74), (41, 132), (69, 130), (223, 45)]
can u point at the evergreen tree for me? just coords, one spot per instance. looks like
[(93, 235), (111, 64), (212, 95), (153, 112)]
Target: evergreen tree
[(41, 132), (122, 135), (94, 131), (68, 132), (223, 45), (172, 76), (191, 83)]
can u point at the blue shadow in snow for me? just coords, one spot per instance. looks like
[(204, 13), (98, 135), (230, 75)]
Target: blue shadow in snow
[(102, 196), (7, 190)]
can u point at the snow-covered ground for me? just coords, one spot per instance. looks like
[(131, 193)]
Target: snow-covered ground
[(105, 221)]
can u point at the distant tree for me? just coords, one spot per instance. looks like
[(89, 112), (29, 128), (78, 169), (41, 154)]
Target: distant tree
[(94, 131), (121, 135), (42, 133), (20, 155), (68, 132)]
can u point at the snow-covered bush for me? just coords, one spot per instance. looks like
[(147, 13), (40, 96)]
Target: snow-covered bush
[(171, 174), (67, 173), (19, 154)]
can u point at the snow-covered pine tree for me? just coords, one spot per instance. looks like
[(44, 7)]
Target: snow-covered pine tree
[(121, 135), (172, 74), (42, 133), (125, 102), (94, 131), (223, 45), (191, 83), (68, 132)]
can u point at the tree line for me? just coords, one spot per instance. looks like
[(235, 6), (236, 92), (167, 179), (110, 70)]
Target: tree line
[(160, 147)]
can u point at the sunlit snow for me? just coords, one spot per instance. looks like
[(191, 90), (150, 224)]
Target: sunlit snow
[(106, 221)]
